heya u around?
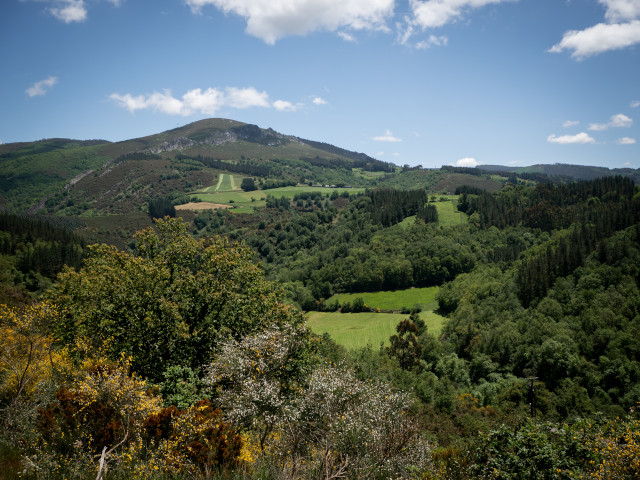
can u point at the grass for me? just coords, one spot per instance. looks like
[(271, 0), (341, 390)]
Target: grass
[(247, 202), (393, 300), (448, 214), (357, 330)]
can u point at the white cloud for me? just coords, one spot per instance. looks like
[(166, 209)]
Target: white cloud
[(41, 87), (271, 20), (319, 101), (599, 38), (466, 162), (70, 11), (635, 104), (284, 106), (621, 30), (436, 13), (379, 154), (620, 10), (581, 137), (206, 102), (347, 37), (617, 121), (626, 141), (246, 97), (432, 41), (570, 123), (387, 137)]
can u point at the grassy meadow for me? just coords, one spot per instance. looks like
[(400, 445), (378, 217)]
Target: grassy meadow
[(448, 213), (226, 191), (357, 330), (393, 300)]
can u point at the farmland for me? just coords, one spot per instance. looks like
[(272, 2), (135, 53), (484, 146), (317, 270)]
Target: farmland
[(357, 330), (393, 300), (247, 202)]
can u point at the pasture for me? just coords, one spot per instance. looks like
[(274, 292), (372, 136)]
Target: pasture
[(448, 213), (393, 300), (224, 192), (357, 330)]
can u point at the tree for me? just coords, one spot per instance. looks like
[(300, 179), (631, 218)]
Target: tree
[(171, 303), (405, 346), (248, 184)]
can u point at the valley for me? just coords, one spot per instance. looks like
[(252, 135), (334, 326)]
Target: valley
[(267, 274)]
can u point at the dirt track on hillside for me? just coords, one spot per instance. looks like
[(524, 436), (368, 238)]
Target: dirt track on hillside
[(202, 206)]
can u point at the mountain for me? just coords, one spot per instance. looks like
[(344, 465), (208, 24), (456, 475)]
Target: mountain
[(76, 176), (566, 171)]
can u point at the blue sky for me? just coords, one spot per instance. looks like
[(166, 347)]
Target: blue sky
[(429, 82)]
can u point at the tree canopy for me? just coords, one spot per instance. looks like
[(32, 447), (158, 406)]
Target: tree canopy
[(171, 302)]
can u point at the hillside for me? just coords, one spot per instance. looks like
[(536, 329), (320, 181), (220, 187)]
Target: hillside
[(565, 171), (117, 177)]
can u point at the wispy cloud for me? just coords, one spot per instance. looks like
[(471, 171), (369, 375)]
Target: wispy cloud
[(581, 137), (621, 30), (347, 37), (198, 101), (616, 121), (69, 11), (437, 13), (432, 41), (635, 104), (271, 20), (387, 137), (570, 123), (429, 14), (319, 101), (41, 87), (626, 141)]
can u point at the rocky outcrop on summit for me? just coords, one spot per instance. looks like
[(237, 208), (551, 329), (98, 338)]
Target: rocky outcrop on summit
[(248, 133), (176, 144)]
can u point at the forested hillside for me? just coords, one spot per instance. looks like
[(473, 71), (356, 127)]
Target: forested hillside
[(184, 352)]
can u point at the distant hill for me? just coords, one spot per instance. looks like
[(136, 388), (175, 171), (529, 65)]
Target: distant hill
[(566, 171), (74, 177)]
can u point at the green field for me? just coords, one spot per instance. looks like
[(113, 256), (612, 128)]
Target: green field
[(246, 202), (357, 330), (448, 213), (393, 300)]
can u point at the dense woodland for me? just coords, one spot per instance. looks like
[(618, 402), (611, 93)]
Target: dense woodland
[(188, 356)]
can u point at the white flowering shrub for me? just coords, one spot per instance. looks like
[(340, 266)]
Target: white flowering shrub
[(259, 375), (320, 424), (360, 428)]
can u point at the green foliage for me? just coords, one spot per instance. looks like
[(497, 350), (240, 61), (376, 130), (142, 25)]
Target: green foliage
[(248, 184), (171, 303), (405, 347)]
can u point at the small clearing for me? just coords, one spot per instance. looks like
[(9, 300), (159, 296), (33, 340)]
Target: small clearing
[(202, 206)]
